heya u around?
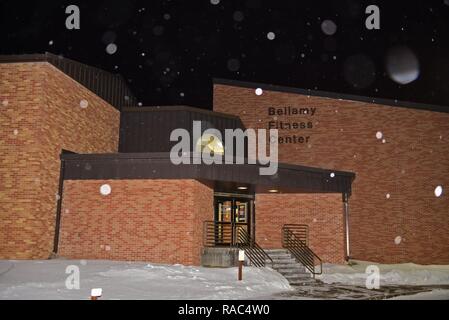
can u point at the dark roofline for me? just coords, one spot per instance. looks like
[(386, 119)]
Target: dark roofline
[(332, 95), (108, 86), (180, 108), (166, 155), (159, 166)]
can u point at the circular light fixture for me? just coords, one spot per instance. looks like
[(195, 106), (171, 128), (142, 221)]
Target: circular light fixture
[(273, 190), (242, 188), (105, 189), (209, 143)]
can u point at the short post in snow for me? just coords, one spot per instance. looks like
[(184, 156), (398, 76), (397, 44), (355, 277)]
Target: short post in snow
[(241, 260), (95, 293)]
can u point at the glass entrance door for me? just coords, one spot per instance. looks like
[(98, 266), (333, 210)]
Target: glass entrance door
[(231, 214)]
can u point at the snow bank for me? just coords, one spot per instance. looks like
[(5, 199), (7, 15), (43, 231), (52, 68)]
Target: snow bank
[(126, 280), (390, 274)]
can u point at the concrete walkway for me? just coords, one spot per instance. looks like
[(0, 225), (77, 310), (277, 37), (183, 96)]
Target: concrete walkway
[(319, 290)]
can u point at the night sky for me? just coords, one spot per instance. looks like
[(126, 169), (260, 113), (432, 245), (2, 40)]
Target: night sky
[(169, 51)]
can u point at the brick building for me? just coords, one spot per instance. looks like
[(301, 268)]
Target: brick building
[(86, 174)]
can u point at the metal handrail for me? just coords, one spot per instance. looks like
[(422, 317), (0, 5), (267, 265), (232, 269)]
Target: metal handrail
[(218, 234), (302, 253), (301, 231), (256, 255), (233, 235)]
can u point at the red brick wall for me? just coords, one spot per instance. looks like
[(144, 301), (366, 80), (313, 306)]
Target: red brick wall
[(413, 160), (321, 212), (158, 221), (43, 105)]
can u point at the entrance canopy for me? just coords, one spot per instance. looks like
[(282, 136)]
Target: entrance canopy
[(224, 177)]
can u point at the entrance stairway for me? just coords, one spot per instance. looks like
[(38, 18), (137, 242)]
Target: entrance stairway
[(286, 264)]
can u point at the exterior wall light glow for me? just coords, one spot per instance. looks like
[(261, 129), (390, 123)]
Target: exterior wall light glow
[(273, 190), (242, 188), (211, 143)]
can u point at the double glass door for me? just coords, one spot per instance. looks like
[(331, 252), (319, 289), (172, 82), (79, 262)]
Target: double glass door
[(232, 217)]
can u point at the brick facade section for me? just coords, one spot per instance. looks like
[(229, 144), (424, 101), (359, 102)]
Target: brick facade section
[(413, 160), (43, 105), (321, 212), (160, 221)]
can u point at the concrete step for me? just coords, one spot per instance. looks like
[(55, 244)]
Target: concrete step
[(292, 264), (284, 261), (274, 251), (297, 277), (280, 257), (287, 266), (294, 270), (302, 282)]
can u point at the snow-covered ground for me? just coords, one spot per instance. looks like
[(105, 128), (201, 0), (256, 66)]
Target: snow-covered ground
[(52, 279), (390, 274), (129, 280)]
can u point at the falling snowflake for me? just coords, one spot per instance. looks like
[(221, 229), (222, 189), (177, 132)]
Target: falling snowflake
[(438, 191), (332, 175), (50, 43), (16, 132), (139, 104), (259, 91), (167, 16), (397, 240), (158, 30), (182, 94), (233, 65), (402, 65), (84, 104), (384, 141), (5, 103), (387, 196), (328, 27), (111, 48), (379, 135), (238, 16), (105, 189), (271, 35), (214, 2)]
